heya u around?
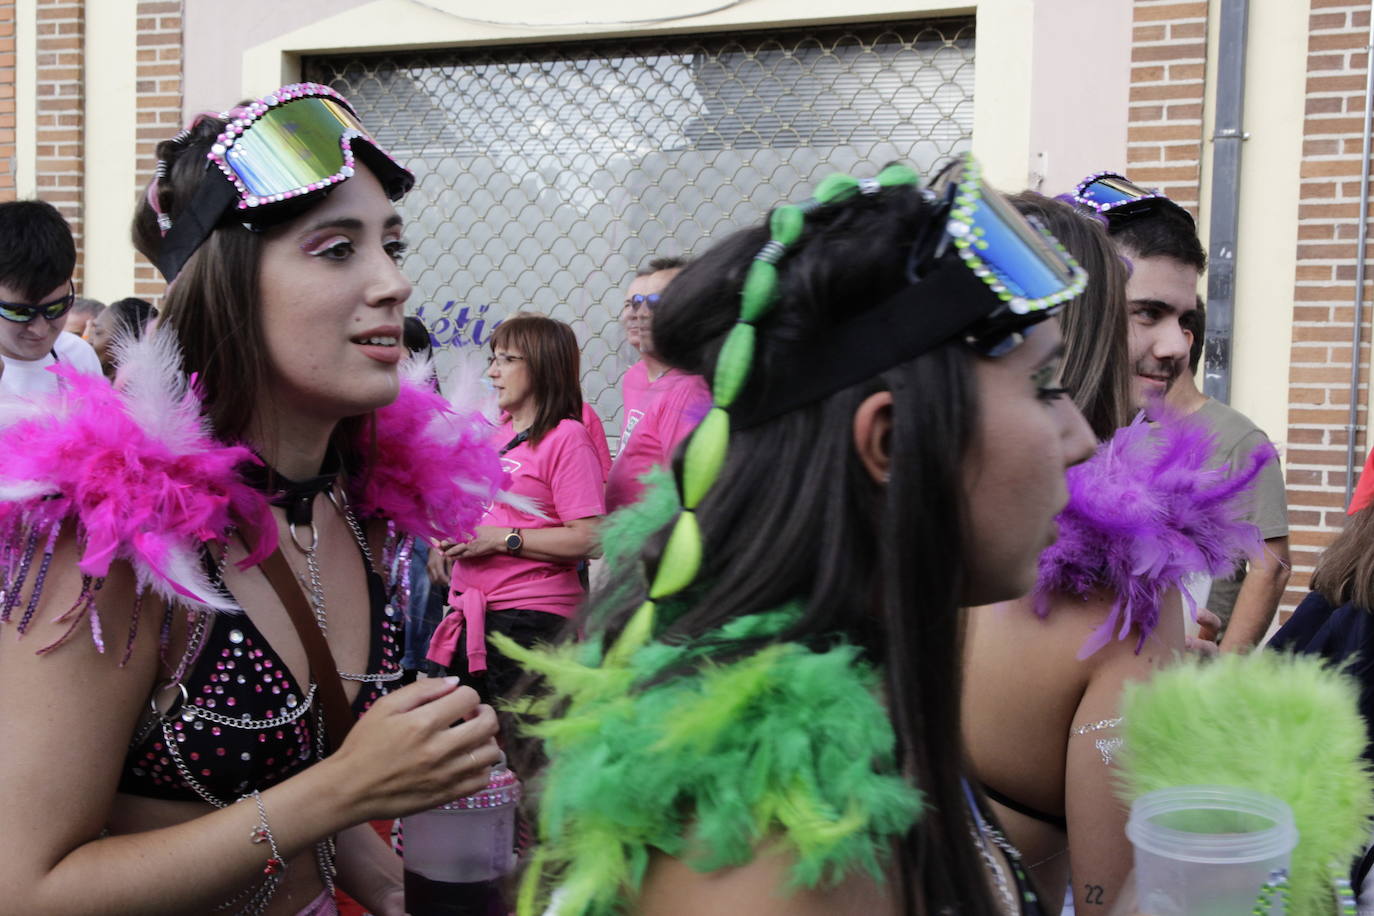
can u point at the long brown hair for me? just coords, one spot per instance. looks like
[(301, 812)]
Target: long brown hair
[(1345, 572), (552, 360), (1097, 362), (214, 305)]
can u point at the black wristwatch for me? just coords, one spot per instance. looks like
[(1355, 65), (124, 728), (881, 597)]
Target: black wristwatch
[(514, 542)]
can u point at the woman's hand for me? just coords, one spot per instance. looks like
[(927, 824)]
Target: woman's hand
[(486, 540), (437, 565), (421, 746)]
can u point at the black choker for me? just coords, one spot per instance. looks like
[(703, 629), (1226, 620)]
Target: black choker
[(297, 496)]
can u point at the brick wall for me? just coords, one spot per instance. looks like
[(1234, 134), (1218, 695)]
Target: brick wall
[(1168, 66), (159, 106), (7, 112), (59, 111), (1323, 310)]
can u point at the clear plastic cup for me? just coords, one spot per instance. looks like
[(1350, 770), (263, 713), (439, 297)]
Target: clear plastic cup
[(467, 840), (1202, 850)]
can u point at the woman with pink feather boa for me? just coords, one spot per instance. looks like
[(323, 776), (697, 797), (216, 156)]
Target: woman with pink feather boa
[(202, 565)]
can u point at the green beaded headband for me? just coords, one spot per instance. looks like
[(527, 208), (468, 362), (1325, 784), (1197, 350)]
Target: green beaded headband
[(986, 272)]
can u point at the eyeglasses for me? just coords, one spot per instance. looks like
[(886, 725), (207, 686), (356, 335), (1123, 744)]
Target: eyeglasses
[(1115, 196), (276, 156), (504, 360), (22, 313), (638, 299)]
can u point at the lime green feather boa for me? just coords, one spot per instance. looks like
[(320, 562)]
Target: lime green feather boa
[(787, 747), (1282, 725)]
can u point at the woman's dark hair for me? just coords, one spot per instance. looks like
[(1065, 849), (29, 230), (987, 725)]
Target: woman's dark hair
[(1097, 360), (1345, 572), (794, 515), (552, 360), (131, 316), (415, 337), (213, 306)]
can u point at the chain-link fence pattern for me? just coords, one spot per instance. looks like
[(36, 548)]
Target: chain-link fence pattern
[(548, 174)]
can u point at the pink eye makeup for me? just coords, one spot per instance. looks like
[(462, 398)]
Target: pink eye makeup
[(324, 242)]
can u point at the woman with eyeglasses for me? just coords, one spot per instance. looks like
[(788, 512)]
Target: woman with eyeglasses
[(37, 257), (202, 571), (763, 717), (518, 574)]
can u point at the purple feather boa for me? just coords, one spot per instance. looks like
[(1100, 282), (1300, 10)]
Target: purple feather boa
[(1144, 513)]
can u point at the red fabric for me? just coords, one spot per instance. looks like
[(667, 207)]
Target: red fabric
[(1364, 490), (347, 905)]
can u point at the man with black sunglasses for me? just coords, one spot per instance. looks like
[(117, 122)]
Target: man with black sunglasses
[(37, 260)]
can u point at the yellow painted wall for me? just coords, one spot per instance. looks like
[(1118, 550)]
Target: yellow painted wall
[(25, 91), (111, 151)]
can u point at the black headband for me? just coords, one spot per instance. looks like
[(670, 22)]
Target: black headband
[(947, 301), (194, 224)]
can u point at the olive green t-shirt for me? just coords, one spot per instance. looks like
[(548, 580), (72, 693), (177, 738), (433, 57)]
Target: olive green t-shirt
[(1267, 505)]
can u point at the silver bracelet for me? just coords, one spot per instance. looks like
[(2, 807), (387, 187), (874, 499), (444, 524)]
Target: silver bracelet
[(263, 834)]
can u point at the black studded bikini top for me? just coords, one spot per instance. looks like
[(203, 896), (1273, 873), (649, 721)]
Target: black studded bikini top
[(241, 721)]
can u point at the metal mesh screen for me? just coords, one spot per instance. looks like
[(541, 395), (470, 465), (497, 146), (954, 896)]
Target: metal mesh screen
[(548, 174)]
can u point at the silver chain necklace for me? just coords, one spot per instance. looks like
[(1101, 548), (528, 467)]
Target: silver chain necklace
[(315, 586), (985, 836)]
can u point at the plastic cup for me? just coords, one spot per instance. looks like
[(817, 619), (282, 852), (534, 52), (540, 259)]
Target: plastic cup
[(1202, 850), (471, 839)]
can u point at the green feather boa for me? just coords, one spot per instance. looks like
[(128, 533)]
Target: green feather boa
[(1282, 725), (786, 747)]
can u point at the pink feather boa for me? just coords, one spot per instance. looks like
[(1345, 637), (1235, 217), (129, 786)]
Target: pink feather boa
[(1144, 513), (435, 470), (139, 472)]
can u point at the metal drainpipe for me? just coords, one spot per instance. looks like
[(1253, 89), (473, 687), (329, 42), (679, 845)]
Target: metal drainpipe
[(1225, 217), (1353, 424)]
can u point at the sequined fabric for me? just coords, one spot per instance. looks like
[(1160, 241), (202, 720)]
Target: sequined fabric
[(245, 723)]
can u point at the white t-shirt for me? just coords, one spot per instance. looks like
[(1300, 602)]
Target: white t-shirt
[(31, 377)]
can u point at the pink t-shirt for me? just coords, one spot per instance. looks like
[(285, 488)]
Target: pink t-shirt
[(677, 404), (634, 392), (562, 476), (598, 435)]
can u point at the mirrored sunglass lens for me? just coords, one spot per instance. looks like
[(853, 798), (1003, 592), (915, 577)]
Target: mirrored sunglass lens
[(1113, 189), (292, 146), (1024, 260), (16, 313)]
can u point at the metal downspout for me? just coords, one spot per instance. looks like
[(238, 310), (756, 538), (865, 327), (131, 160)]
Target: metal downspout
[(1353, 423), (1227, 138)]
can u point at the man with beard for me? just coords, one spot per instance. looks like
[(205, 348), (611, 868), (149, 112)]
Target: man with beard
[(1158, 239)]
